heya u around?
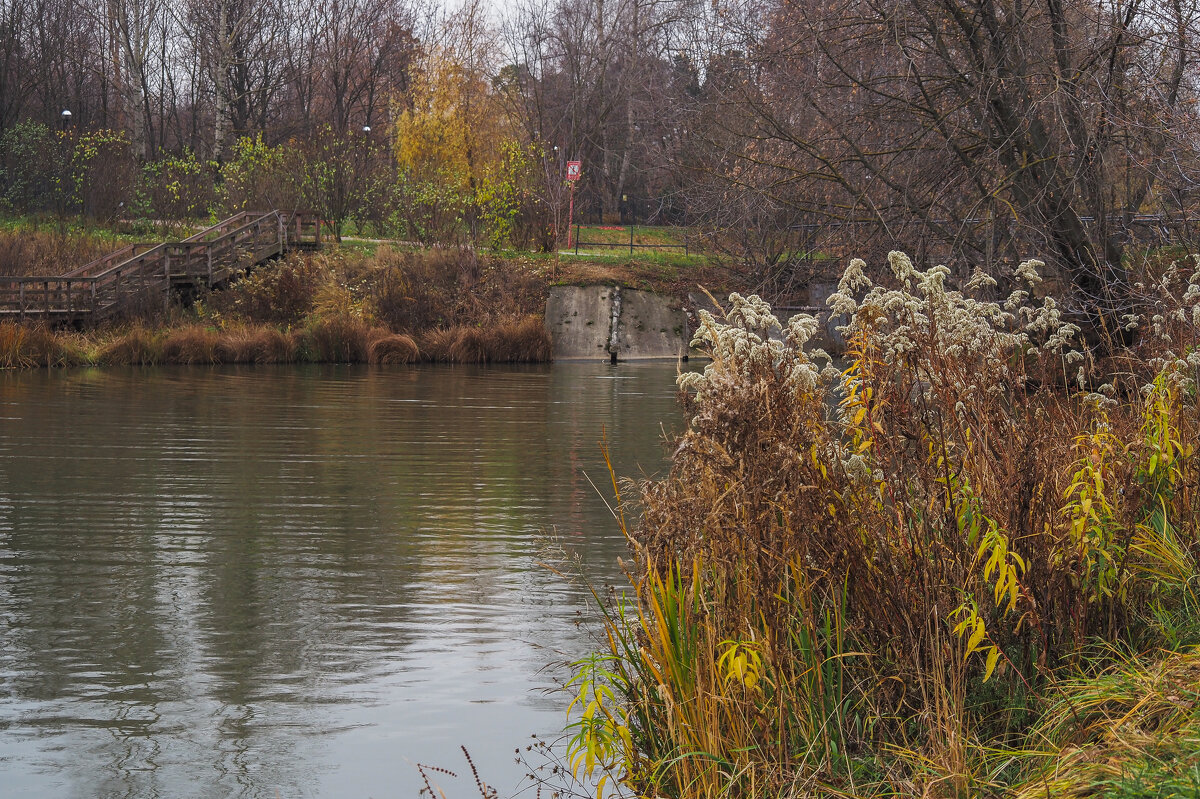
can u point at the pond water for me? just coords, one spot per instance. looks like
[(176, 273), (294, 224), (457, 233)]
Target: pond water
[(300, 582)]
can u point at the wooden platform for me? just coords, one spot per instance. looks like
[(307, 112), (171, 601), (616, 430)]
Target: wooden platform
[(137, 272)]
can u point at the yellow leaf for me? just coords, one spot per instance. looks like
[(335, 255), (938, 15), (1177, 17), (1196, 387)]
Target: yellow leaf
[(992, 659), (976, 637)]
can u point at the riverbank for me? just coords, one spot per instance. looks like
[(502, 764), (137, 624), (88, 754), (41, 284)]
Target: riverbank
[(344, 339), (975, 577), (357, 304)]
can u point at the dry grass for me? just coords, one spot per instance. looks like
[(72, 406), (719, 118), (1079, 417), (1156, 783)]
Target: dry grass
[(136, 346), (510, 340), (335, 339), (522, 339), (1132, 731), (417, 291), (29, 346), (395, 348), (248, 344), (461, 308), (43, 252), (194, 344), (882, 597)]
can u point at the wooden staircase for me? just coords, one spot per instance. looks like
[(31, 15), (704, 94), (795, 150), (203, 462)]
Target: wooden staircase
[(102, 288)]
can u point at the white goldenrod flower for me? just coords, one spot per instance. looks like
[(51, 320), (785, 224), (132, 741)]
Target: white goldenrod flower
[(980, 279), (1028, 271)]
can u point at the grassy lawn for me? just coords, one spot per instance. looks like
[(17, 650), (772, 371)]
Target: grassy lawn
[(613, 238), (47, 245)]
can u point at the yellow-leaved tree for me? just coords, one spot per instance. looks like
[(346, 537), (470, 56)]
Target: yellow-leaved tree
[(449, 134)]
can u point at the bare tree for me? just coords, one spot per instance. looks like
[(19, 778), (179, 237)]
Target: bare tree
[(986, 127), (238, 44)]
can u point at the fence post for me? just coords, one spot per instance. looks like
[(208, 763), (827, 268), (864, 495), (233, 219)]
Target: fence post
[(631, 241)]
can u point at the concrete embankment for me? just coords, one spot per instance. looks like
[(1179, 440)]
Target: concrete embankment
[(616, 324), (621, 324)]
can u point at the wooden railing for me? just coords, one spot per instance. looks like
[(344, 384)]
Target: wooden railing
[(101, 288)]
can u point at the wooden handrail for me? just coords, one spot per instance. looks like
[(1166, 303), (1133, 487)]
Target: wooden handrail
[(104, 281)]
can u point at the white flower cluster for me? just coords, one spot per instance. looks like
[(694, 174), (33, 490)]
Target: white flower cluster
[(743, 345), (922, 319), (1175, 321)]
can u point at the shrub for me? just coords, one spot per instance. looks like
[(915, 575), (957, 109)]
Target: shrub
[(875, 576), (280, 293)]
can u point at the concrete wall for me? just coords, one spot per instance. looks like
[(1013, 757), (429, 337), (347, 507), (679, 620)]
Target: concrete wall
[(600, 322), (579, 319)]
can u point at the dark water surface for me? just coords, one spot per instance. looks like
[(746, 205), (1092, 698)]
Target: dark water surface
[(297, 582)]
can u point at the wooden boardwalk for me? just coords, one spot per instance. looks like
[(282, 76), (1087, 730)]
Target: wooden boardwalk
[(100, 289)]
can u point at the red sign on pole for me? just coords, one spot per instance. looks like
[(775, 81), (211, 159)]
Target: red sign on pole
[(573, 168)]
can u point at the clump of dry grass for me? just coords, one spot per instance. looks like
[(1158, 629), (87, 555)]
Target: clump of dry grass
[(194, 344), (522, 339), (335, 339), (395, 348), (135, 346), (249, 344), (510, 340), (1131, 731), (26, 346)]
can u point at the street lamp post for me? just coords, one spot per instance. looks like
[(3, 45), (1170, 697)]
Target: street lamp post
[(64, 169)]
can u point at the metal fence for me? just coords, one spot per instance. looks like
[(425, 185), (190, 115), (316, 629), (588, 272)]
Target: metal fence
[(631, 244)]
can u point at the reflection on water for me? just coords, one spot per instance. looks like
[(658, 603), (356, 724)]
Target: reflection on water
[(233, 582)]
